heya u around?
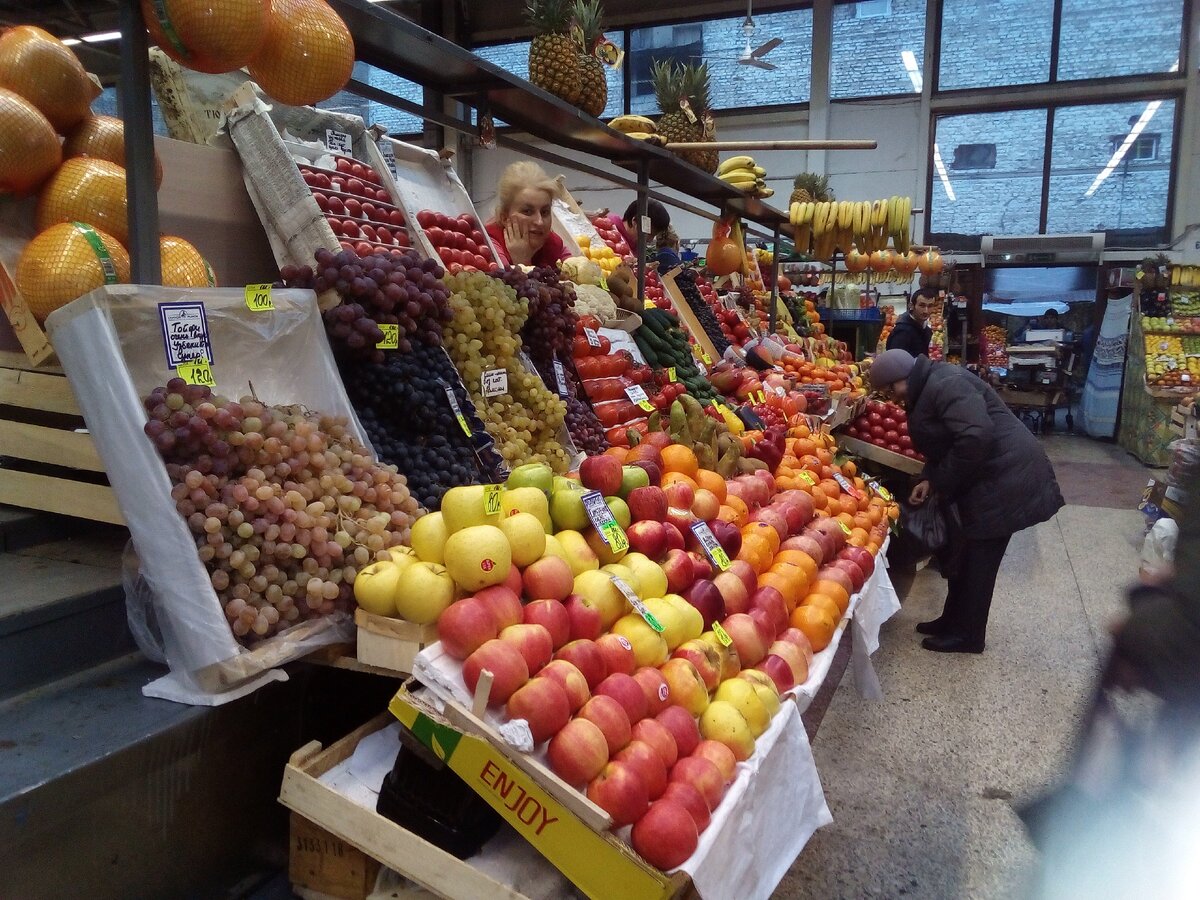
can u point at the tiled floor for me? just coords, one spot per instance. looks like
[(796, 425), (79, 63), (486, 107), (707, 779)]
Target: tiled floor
[(921, 784)]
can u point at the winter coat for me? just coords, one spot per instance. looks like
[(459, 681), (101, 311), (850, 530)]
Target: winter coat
[(978, 454), (909, 334)]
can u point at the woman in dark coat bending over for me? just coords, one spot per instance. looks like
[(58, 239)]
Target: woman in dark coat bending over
[(981, 458)]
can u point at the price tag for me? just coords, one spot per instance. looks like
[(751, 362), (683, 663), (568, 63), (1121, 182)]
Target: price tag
[(845, 527), (636, 602), (388, 152), (637, 394), (592, 338), (846, 486), (603, 521), (671, 374), (648, 304), (647, 227), (197, 371), (258, 298), (560, 376), (762, 397), (338, 142), (722, 634), (458, 413), (491, 499), (808, 476), (391, 337), (712, 547), (185, 332), (494, 382), (881, 490)]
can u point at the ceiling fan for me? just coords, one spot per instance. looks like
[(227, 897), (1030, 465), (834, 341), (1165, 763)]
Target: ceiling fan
[(755, 57)]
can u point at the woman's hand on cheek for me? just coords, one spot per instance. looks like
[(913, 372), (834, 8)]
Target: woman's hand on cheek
[(516, 238)]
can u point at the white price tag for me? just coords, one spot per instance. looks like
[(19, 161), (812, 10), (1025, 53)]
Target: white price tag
[(636, 602), (560, 376), (388, 152), (712, 547), (494, 382), (604, 522), (338, 142), (637, 394), (592, 338)]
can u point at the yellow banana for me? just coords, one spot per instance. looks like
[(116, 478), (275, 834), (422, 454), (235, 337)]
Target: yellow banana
[(628, 124), (766, 192), (735, 162), (760, 171), (794, 212), (806, 212)]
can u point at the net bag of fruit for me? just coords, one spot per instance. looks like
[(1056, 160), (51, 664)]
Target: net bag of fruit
[(215, 483)]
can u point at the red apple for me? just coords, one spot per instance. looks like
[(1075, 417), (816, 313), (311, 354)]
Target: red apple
[(601, 473), (682, 518), (549, 577), (533, 641), (793, 514), (620, 792), (733, 592), (801, 500), (652, 468), (658, 736), (720, 756), (861, 557), (824, 539), (745, 571), (748, 638), (767, 478), (646, 761), (704, 657), (626, 691), (769, 599), (800, 640), (836, 574), (754, 490), (542, 703), (647, 537), (552, 616), (680, 572), (504, 661), (618, 654), (587, 622), (578, 752), (773, 517), (728, 535), (647, 504), (780, 672), (666, 836), (515, 583), (466, 625), (705, 505), (654, 688), (850, 567), (735, 488), (793, 656), (585, 656), (504, 604), (767, 626), (833, 529), (674, 536), (703, 774), (705, 596), (683, 728), (610, 717), (689, 797), (570, 679), (680, 495), (701, 565)]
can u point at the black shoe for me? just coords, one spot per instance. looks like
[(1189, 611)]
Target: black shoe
[(951, 643), (933, 626)]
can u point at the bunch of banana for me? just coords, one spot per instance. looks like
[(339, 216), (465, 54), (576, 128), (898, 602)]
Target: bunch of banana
[(744, 174), (633, 125), (1185, 276), (899, 219)]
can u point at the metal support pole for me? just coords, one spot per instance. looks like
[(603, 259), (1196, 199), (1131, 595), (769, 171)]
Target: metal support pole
[(145, 259), (777, 265), (642, 203)]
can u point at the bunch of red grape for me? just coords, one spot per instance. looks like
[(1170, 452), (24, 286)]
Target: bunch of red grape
[(393, 288), (285, 505)]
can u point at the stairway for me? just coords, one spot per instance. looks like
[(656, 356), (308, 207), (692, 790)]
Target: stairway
[(105, 793)]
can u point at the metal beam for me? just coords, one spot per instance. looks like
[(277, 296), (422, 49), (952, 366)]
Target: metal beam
[(141, 191)]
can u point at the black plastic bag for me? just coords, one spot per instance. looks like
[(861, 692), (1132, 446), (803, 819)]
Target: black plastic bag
[(932, 525)]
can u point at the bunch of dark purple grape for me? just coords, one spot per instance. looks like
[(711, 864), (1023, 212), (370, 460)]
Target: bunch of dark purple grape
[(550, 326), (394, 288), (686, 282)]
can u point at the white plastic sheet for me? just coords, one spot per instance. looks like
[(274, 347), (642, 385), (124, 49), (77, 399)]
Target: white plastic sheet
[(111, 345)]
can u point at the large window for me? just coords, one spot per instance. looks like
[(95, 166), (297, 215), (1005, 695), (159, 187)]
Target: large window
[(986, 43), (1106, 38), (721, 43), (878, 48), (398, 124)]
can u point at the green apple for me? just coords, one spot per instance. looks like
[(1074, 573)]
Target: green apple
[(463, 507), (375, 587), (632, 477), (423, 591), (526, 500), (526, 538), (428, 538), (620, 511), (533, 475), (563, 483), (567, 511)]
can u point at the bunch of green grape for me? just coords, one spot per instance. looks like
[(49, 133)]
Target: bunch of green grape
[(484, 335)]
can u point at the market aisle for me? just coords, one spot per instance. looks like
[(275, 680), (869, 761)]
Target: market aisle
[(920, 784)]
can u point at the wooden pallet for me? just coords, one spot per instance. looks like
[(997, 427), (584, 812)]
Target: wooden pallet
[(50, 462)]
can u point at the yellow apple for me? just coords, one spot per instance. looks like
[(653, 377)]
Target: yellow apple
[(741, 694), (463, 507), (764, 686), (693, 620), (478, 556), (375, 588), (429, 538), (675, 626), (649, 647), (526, 500), (724, 723), (554, 548), (577, 552), (423, 591), (650, 574), (626, 574), (598, 589), (526, 536)]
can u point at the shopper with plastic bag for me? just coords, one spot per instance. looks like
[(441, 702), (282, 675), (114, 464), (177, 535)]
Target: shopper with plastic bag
[(981, 460)]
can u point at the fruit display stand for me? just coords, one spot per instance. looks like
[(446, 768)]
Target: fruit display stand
[(880, 455), (687, 317)]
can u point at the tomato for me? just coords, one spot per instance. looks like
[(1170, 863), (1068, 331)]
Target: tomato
[(481, 262), (891, 436), (426, 218), (478, 238), (470, 246), (343, 165), (362, 248), (436, 236)]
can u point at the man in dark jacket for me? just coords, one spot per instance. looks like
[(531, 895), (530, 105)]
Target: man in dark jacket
[(979, 457), (911, 331)]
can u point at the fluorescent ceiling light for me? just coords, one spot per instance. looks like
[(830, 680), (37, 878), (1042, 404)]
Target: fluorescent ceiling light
[(940, 168), (70, 42), (914, 71), (1138, 127), (101, 37)]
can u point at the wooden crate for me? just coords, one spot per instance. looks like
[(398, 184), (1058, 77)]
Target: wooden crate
[(323, 863), (687, 318), (52, 463), (390, 644)]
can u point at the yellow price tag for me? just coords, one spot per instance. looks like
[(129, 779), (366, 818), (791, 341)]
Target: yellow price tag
[(391, 337), (671, 374), (647, 405), (491, 499), (197, 371), (808, 476), (614, 536), (258, 298), (648, 304), (845, 527), (722, 634)]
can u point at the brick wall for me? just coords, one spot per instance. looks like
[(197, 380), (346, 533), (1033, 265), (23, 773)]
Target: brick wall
[(865, 53)]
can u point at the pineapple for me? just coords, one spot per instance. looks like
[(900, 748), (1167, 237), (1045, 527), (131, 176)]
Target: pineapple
[(674, 82), (553, 55), (810, 187), (593, 95)]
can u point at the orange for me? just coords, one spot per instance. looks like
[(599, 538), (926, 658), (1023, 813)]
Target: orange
[(798, 558), (849, 469), (756, 551), (825, 602), (672, 477), (711, 481), (848, 504), (762, 529), (795, 575), (727, 514), (833, 591), (806, 447), (845, 518), (678, 458), (824, 456), (621, 453), (816, 623), (786, 584), (873, 547), (858, 537), (738, 505), (862, 520), (820, 502)]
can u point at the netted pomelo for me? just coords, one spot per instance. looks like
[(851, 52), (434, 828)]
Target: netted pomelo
[(86, 190), (308, 55), (43, 70), (65, 262), (211, 36), (182, 264), (29, 148), (104, 138)]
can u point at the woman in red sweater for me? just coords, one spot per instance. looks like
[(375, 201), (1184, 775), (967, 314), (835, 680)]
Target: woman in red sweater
[(521, 228)]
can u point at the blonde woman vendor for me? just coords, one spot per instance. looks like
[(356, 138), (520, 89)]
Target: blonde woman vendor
[(521, 228)]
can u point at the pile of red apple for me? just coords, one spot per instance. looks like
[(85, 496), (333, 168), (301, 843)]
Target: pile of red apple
[(885, 425), (359, 210), (459, 241)]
